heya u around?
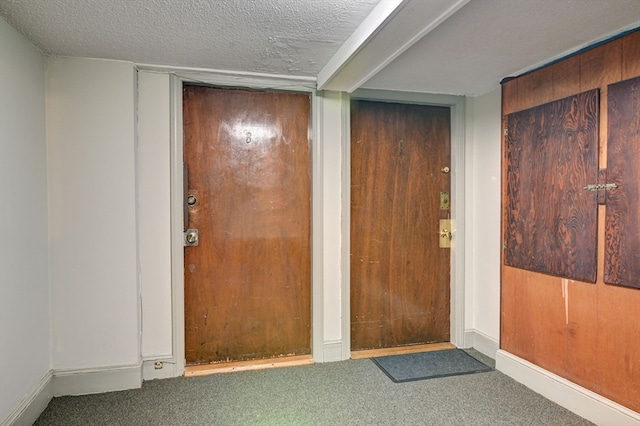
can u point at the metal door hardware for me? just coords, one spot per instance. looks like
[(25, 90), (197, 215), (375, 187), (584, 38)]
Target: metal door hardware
[(604, 186), (445, 170), (191, 238), (445, 234), (191, 199), (444, 200)]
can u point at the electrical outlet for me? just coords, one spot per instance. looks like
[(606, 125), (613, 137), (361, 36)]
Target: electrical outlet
[(158, 365)]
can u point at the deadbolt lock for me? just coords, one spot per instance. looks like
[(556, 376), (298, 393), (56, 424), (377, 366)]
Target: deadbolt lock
[(191, 238), (445, 234), (191, 199)]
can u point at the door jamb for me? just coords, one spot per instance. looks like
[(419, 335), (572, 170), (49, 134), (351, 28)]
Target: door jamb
[(258, 82), (457, 106)]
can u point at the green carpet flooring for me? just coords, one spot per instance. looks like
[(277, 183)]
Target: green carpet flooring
[(354, 392)]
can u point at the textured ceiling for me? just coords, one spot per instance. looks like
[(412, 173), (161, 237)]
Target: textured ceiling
[(487, 40), (465, 51), (290, 37)]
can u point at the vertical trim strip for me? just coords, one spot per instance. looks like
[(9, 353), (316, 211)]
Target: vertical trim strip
[(346, 227), (177, 252), (317, 230)]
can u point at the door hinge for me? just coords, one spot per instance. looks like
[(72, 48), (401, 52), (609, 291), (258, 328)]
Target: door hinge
[(603, 186)]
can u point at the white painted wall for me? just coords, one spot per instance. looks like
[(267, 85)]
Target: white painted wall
[(92, 214), (483, 216), (332, 164), (24, 283), (154, 210)]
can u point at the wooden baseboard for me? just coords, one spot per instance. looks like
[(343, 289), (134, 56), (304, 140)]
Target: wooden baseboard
[(260, 364), (400, 350)]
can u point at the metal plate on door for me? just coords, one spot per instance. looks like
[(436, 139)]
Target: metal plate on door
[(445, 234), (444, 200)]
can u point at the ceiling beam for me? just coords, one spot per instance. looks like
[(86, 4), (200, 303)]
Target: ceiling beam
[(391, 28)]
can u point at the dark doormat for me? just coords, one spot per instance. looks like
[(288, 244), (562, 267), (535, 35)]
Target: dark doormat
[(429, 365)]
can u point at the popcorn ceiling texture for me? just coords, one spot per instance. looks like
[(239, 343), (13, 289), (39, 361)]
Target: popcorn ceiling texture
[(291, 37), (468, 54)]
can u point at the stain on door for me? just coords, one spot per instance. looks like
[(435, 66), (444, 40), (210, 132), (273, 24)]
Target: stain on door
[(248, 281), (400, 277)]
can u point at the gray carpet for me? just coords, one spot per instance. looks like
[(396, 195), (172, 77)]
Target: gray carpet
[(429, 365), (353, 392)]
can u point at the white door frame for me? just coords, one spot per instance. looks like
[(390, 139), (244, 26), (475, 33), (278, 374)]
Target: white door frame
[(250, 81), (457, 106)]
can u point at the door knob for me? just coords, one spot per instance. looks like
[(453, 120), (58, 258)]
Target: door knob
[(445, 234), (191, 238)]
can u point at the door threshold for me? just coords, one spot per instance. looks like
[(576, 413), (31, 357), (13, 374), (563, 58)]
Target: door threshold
[(401, 350), (259, 364)]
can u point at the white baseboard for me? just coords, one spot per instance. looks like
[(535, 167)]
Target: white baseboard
[(332, 351), (108, 379), (33, 404), (481, 342), (565, 393), (150, 370)]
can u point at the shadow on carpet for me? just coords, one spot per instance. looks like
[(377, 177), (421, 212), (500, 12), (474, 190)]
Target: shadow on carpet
[(429, 365)]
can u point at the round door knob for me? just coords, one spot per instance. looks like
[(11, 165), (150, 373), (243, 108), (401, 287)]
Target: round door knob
[(192, 237), (191, 199), (445, 170)]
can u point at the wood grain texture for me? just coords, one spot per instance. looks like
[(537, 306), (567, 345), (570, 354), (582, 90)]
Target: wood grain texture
[(402, 350), (622, 249), (599, 67), (585, 333), (631, 55), (400, 285), (247, 284), (563, 77), (551, 154)]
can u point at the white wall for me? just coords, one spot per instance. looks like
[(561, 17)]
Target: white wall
[(332, 164), (24, 284), (154, 213), (92, 214), (483, 220)]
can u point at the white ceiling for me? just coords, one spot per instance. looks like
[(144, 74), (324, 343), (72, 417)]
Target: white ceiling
[(436, 46), (487, 40), (287, 37)]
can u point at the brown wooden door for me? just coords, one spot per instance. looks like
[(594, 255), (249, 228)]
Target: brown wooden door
[(400, 287), (247, 283)]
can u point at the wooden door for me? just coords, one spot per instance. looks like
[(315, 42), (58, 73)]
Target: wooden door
[(400, 285), (247, 282)]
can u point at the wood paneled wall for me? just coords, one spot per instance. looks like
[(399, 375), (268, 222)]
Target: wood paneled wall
[(587, 333)]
